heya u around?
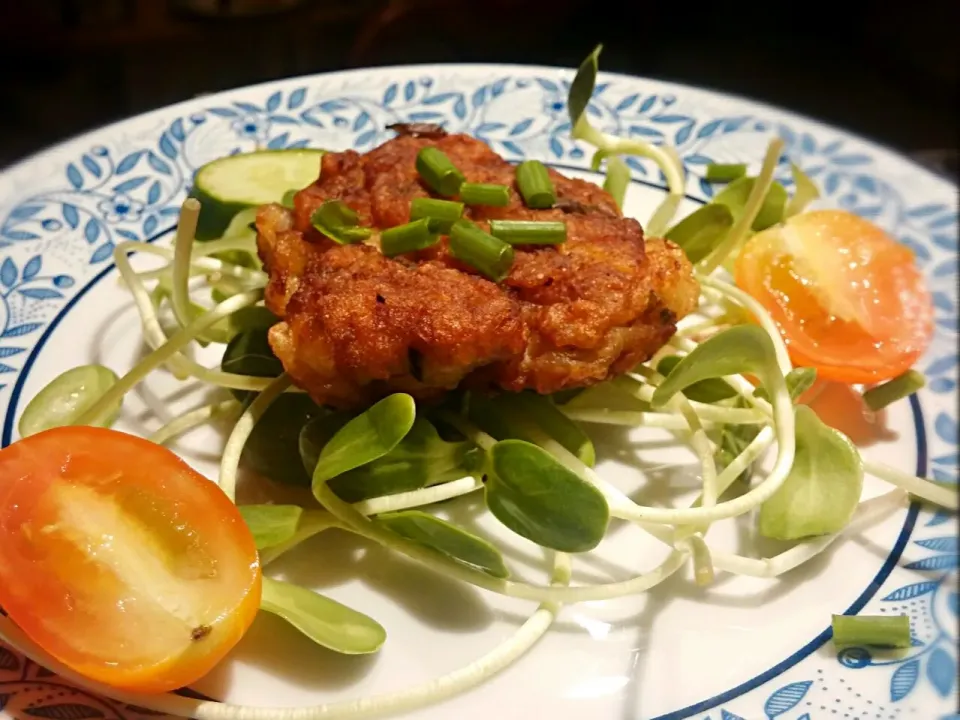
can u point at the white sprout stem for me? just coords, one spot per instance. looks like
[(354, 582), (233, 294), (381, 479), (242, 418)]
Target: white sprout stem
[(786, 450), (735, 236), (930, 491), (244, 243), (155, 359), (866, 511), (418, 498), (432, 691), (659, 221), (201, 265), (711, 413), (759, 312), (315, 521), (698, 327), (192, 419), (703, 564), (612, 145), (633, 418), (156, 337), (364, 526), (230, 460), (182, 248)]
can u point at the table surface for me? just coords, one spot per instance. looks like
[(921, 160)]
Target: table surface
[(887, 76)]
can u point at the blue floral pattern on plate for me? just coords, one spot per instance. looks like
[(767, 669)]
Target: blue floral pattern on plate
[(58, 230)]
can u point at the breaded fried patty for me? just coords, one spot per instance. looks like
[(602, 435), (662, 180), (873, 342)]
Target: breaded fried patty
[(357, 325)]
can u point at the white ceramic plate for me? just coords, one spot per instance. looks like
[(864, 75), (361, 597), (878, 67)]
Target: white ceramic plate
[(741, 649)]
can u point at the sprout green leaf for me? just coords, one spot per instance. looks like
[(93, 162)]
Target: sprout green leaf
[(509, 416), (533, 494), (705, 391), (581, 89), (823, 488), (804, 192), (249, 353), (447, 539), (734, 196), (67, 397), (740, 349), (325, 621), (271, 524), (702, 230), (369, 436), (798, 380), (273, 448), (419, 460)]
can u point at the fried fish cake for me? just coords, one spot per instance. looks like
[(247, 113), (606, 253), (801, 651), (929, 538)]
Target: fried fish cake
[(356, 325)]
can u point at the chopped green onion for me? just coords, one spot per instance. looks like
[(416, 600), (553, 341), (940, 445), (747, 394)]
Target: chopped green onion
[(288, 196), (724, 173), (439, 172), (444, 213), (485, 194), (529, 232), (480, 250), (877, 398), (413, 236), (533, 180), (617, 179), (337, 221), (876, 630)]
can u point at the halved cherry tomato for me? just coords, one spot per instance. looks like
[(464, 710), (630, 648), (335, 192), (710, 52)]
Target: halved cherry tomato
[(120, 560), (848, 299)]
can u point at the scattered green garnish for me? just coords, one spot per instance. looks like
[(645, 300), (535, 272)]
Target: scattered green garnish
[(875, 630), (904, 385)]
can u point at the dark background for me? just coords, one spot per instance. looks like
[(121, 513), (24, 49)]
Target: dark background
[(885, 70)]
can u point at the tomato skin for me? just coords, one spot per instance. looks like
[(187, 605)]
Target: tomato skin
[(120, 560), (848, 299)]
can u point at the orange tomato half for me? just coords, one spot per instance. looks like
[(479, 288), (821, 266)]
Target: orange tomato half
[(120, 560), (848, 299)]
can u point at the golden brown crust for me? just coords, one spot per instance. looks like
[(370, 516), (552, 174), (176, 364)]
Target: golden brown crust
[(357, 325)]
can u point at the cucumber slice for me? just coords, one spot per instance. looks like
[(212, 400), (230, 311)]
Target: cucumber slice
[(67, 397), (228, 185)]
